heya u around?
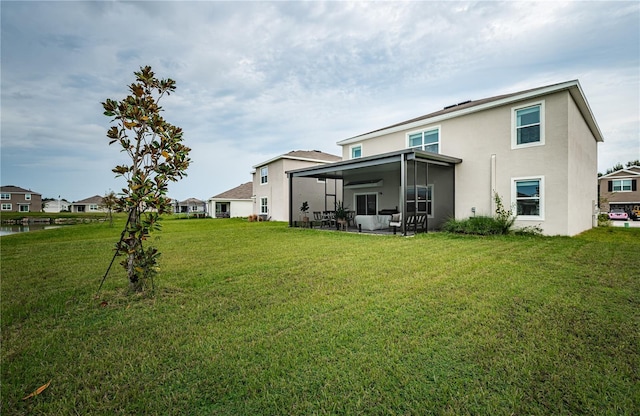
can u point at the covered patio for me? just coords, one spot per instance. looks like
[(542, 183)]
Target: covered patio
[(406, 191)]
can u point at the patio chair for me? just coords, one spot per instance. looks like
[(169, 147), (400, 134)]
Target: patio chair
[(396, 221), (318, 218)]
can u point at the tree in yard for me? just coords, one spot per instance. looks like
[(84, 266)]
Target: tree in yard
[(157, 156), (110, 202)]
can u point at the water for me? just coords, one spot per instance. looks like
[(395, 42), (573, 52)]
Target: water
[(20, 228)]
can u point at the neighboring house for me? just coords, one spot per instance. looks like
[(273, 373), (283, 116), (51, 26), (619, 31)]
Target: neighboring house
[(91, 204), (619, 189), (236, 202), (271, 188), (56, 205), (537, 149), (191, 206), (16, 199)]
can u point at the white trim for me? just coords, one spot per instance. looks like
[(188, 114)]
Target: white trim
[(10, 206), (266, 205), (354, 146), (541, 199), (3, 194), (424, 130), (305, 159), (514, 134), (264, 176)]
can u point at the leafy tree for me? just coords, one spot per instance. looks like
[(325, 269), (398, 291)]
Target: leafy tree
[(110, 202), (633, 163), (157, 157), (619, 166)]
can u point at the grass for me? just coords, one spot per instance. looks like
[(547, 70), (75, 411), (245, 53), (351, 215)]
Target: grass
[(259, 318)]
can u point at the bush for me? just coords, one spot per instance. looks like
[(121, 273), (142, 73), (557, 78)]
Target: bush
[(603, 220), (480, 225)]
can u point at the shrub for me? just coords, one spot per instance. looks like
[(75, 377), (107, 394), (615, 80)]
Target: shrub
[(603, 220)]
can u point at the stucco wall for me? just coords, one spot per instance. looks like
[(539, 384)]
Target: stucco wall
[(566, 162)]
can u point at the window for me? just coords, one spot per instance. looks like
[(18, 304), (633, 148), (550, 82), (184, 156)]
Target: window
[(356, 151), (264, 174), (6, 207), (528, 197), (93, 207), (264, 209), (622, 185), (528, 126), (5, 196), (428, 140), (424, 201), (27, 197), (23, 208), (366, 204)]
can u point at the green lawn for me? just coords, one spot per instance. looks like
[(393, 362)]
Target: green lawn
[(262, 319)]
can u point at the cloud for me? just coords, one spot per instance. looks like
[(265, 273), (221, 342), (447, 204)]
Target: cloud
[(258, 79)]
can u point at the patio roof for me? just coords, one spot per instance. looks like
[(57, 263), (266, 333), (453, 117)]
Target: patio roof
[(337, 170)]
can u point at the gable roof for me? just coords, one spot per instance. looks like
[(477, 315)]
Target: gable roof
[(191, 201), (472, 106), (243, 191), (306, 155), (96, 199), (630, 172), (16, 190)]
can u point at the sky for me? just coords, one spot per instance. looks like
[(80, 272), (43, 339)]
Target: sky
[(259, 79)]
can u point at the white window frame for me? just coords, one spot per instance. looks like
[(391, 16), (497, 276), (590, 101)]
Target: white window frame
[(264, 175), (352, 148), (6, 206), (422, 145), (21, 206), (621, 181), (541, 200), (27, 197), (5, 197), (264, 205), (514, 126)]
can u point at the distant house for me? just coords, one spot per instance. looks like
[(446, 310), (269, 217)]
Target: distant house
[(190, 206), (619, 189), (236, 202), (91, 204), (56, 205), (16, 199), (271, 187)]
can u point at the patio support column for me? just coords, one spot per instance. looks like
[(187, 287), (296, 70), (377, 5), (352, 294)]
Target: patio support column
[(403, 193), (290, 176)]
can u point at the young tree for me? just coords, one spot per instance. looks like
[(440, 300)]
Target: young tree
[(157, 157), (110, 202)]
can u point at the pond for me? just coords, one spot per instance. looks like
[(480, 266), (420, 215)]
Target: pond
[(24, 228)]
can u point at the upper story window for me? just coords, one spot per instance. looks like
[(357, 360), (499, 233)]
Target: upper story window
[(264, 174), (427, 140), (622, 185), (356, 151), (528, 126), (5, 196)]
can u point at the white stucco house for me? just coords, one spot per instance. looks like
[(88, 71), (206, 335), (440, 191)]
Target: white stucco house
[(271, 193), (235, 202), (537, 149)]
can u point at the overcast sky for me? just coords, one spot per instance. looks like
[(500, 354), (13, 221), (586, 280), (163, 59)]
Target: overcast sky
[(259, 79)]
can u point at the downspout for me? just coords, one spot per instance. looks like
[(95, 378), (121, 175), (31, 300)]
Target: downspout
[(493, 183)]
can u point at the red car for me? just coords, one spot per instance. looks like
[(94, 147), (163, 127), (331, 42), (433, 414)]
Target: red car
[(618, 214)]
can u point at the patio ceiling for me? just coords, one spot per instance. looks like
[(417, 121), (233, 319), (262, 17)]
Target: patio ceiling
[(382, 162)]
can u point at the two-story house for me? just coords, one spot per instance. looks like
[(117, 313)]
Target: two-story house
[(536, 149), (16, 199), (619, 190), (271, 189)]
